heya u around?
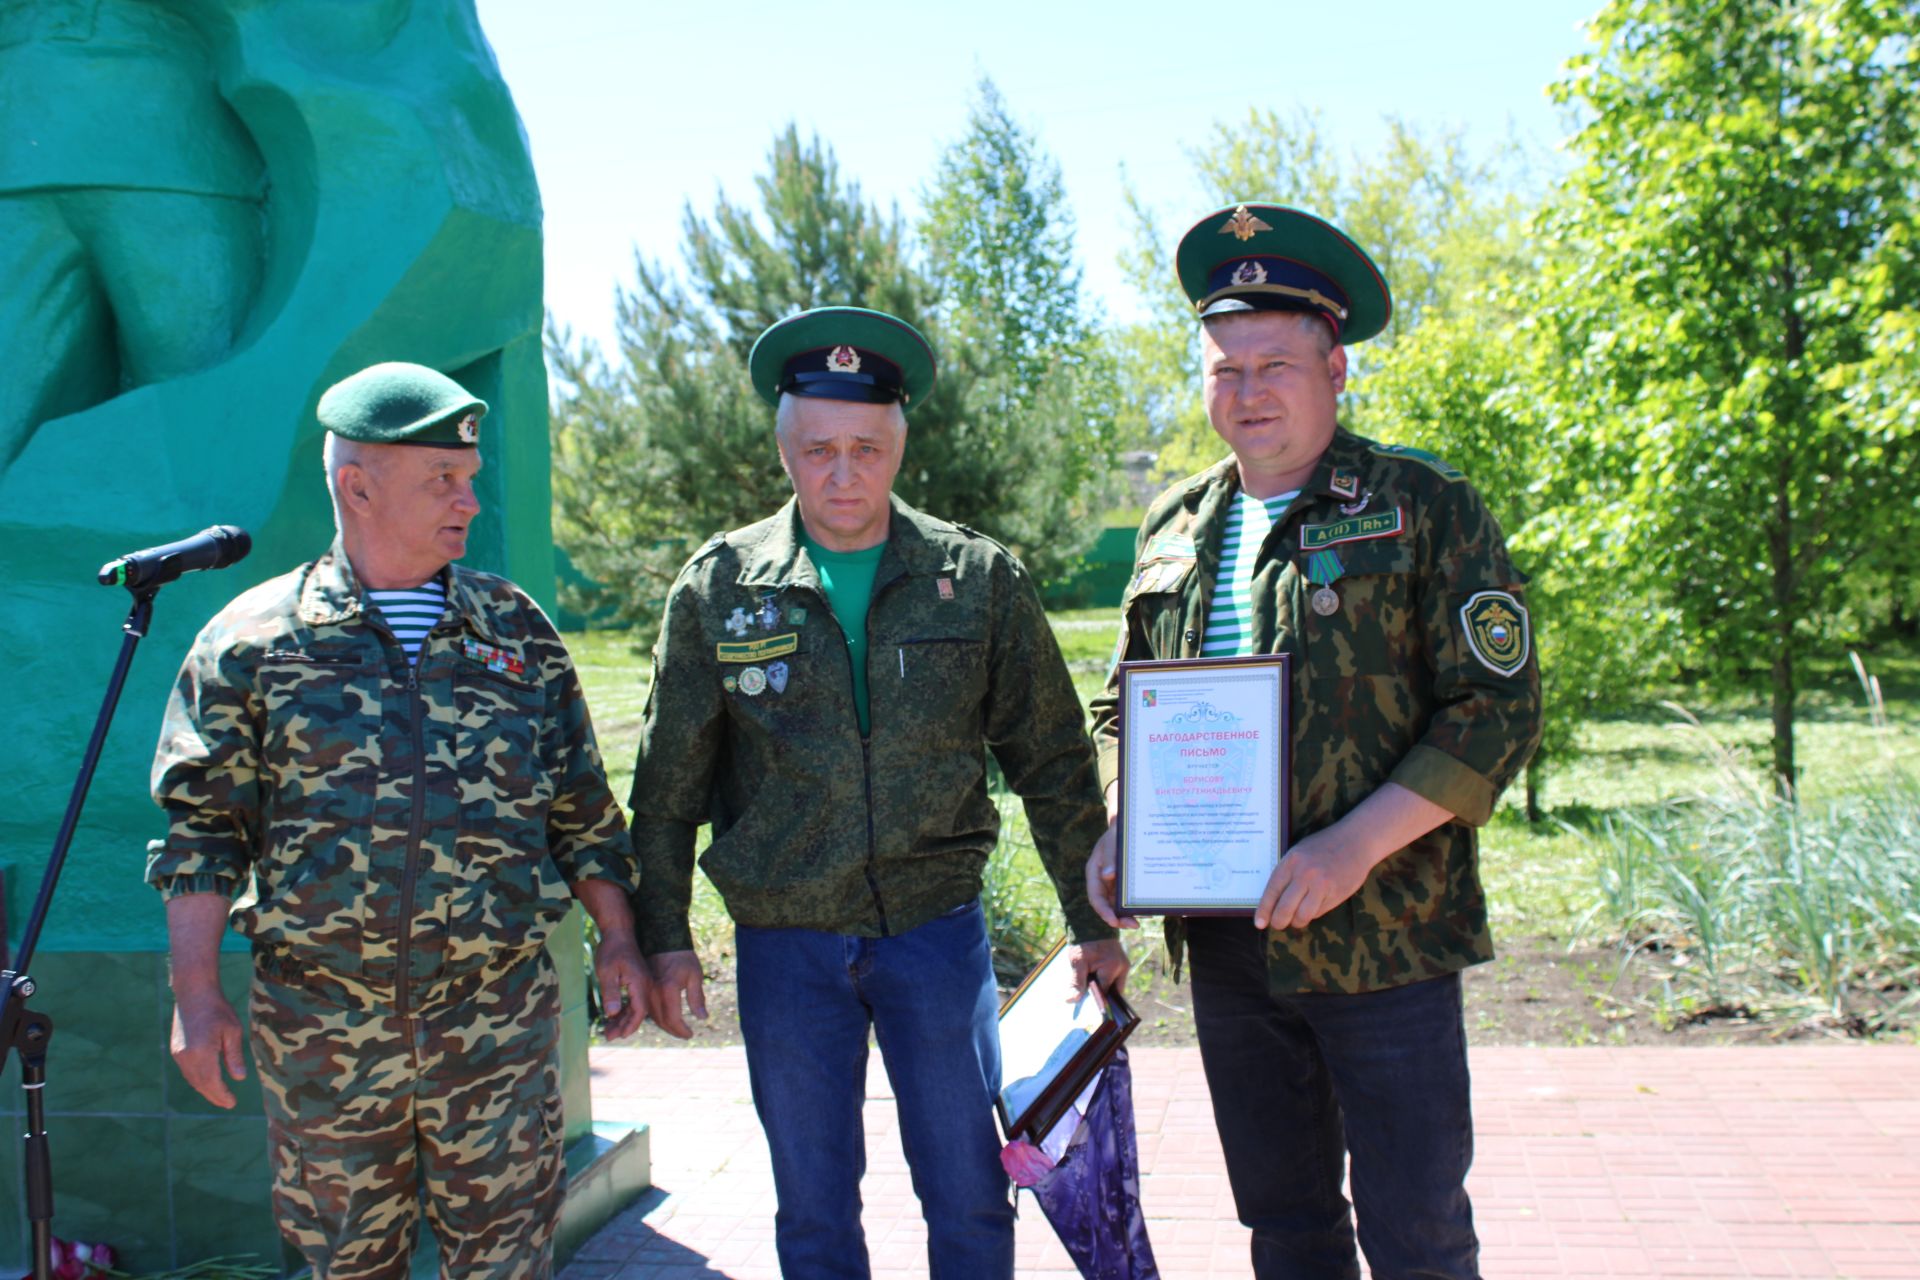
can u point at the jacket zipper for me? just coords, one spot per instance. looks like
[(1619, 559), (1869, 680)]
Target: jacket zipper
[(872, 867), (403, 982)]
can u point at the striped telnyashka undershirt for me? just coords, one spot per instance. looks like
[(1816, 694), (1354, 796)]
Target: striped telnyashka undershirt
[(1230, 619), (411, 613)]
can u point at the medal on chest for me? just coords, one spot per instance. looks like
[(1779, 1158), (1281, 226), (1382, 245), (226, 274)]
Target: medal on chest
[(1323, 570)]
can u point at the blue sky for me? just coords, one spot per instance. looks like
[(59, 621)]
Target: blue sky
[(635, 108)]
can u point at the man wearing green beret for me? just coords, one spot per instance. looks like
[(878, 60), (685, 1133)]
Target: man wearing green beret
[(1330, 1025), (388, 758), (826, 686)]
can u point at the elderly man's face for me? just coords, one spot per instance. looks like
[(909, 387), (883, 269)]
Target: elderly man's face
[(842, 456), (1271, 390), (419, 504)]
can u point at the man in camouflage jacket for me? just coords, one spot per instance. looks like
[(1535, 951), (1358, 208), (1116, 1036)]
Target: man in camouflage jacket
[(848, 799), (406, 807), (1334, 1026)]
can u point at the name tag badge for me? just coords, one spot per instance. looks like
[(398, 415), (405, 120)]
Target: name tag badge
[(761, 650), (1361, 528)]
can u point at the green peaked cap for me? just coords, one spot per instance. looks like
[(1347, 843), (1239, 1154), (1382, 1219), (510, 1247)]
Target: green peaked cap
[(1270, 257), (399, 403), (843, 353)]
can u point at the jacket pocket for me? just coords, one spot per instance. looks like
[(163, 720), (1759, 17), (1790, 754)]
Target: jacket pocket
[(1362, 699), (1408, 889), (1153, 604), (1372, 627), (506, 890)]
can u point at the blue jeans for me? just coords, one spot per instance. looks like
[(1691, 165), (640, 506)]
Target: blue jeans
[(1300, 1081), (807, 1001)]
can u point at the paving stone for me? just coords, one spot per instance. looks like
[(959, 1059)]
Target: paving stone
[(1591, 1164)]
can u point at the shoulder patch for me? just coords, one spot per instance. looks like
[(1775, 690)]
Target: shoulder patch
[(1431, 462), (1497, 630)]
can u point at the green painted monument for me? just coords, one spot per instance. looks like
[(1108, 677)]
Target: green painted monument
[(211, 210)]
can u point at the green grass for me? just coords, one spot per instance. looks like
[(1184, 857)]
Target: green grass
[(1801, 906), (1542, 879)]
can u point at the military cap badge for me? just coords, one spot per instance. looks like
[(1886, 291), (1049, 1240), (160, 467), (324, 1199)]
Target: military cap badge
[(843, 359), (1243, 225)]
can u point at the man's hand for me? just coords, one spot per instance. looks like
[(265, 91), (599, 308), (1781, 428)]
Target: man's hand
[(207, 1036), (1329, 866), (626, 992), (1105, 959), (1101, 890), (1314, 877), (206, 1031), (676, 974)]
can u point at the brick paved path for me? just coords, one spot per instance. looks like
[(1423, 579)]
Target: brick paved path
[(1590, 1163)]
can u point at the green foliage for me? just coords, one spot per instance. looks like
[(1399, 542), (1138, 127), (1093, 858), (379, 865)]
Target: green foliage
[(1001, 268), (1000, 248), (1735, 249)]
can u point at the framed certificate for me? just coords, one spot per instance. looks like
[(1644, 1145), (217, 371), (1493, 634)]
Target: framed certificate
[(1052, 1044), (1204, 752)]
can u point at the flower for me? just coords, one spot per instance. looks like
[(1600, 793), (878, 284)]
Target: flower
[(72, 1260), (1025, 1163)]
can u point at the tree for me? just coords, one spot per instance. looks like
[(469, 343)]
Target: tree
[(1735, 241), (1002, 269), (1464, 385)]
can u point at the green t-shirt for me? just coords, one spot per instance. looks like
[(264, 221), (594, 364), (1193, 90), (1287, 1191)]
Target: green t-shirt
[(848, 579)]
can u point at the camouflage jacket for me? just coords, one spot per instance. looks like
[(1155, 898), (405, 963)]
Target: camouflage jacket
[(750, 725), (1423, 675), (401, 823)]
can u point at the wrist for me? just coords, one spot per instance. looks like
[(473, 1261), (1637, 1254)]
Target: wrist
[(195, 985)]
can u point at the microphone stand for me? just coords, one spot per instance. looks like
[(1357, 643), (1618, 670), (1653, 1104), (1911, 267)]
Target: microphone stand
[(24, 1031)]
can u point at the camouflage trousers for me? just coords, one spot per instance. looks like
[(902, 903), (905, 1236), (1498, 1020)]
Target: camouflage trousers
[(370, 1114)]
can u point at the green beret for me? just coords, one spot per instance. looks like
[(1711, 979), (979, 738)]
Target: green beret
[(842, 353), (399, 403), (1268, 257)]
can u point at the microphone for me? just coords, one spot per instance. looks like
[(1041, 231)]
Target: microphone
[(214, 548)]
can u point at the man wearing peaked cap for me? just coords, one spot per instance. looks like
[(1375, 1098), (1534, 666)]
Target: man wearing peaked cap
[(1330, 1025), (391, 753), (826, 685)]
